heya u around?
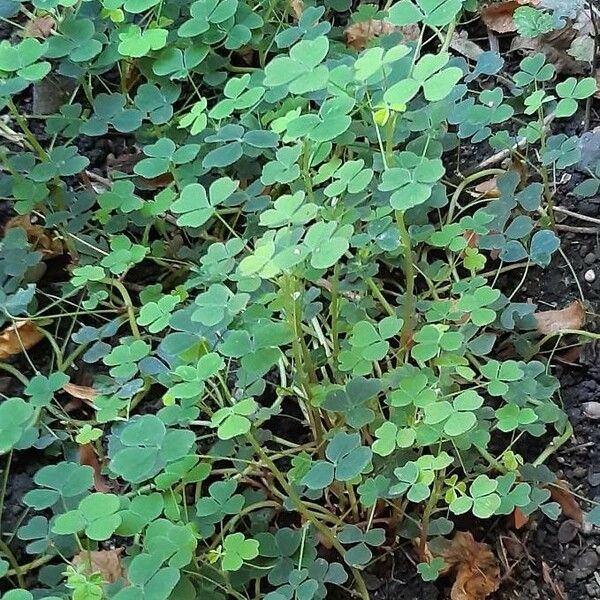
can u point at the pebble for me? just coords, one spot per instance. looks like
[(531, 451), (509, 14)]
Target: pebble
[(590, 276), (591, 410), (567, 532), (590, 258), (586, 564), (593, 478)]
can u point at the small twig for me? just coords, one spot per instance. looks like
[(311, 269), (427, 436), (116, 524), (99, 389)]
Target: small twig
[(573, 229), (500, 156), (575, 215)]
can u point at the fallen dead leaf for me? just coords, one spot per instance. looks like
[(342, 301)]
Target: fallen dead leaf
[(88, 456), (105, 562), (358, 35), (488, 188), (40, 27), (565, 48), (554, 321), (39, 238), (82, 392), (519, 518), (498, 16), (474, 566), (561, 493), (297, 8), (462, 44), (549, 580), (16, 338)]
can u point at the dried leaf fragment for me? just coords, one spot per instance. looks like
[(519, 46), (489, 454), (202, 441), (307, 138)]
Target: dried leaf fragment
[(81, 392), (40, 27), (554, 321), (489, 188), (39, 237), (498, 16), (549, 580), (105, 562), (358, 35), (297, 8), (520, 519), (17, 338), (88, 456), (561, 493), (474, 566)]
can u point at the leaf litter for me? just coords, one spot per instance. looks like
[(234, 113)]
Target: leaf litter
[(473, 565), (105, 562), (16, 338), (555, 321)]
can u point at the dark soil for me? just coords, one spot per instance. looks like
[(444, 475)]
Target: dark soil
[(535, 564)]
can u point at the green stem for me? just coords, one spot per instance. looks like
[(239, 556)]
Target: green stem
[(464, 183), (554, 445), (325, 531), (128, 305), (409, 275), (31, 139), (5, 485), (16, 569), (35, 564), (14, 372)]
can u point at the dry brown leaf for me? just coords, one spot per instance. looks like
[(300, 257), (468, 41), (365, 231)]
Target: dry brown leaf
[(488, 188), (556, 44), (549, 580), (561, 493), (474, 566), (40, 27), (105, 562), (498, 16), (297, 8), (554, 321), (37, 236), (82, 392), (520, 519), (16, 338), (88, 456), (358, 35)]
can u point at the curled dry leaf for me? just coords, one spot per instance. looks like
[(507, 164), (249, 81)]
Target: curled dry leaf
[(569, 49), (474, 566), (16, 338), (488, 188), (358, 35), (561, 493), (498, 16), (296, 8), (40, 239), (88, 456), (519, 518), (554, 321), (105, 562), (557, 591), (81, 392), (40, 27)]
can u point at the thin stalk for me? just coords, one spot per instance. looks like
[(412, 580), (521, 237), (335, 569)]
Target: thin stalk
[(128, 305), (325, 531), (16, 569), (408, 304), (31, 139), (464, 183)]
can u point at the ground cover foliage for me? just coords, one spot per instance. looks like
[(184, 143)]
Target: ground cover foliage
[(274, 343)]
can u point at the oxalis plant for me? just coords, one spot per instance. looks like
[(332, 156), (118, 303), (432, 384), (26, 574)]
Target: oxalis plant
[(282, 320)]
